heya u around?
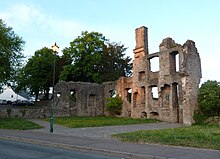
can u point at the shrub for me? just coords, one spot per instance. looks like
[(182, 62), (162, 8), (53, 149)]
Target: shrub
[(209, 98), (9, 110), (199, 118), (114, 105)]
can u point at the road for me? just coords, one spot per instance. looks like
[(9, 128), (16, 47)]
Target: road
[(19, 150), (97, 140)]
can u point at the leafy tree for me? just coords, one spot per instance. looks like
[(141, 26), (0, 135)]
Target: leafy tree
[(113, 63), (11, 46), (209, 98), (37, 75), (94, 59), (85, 53)]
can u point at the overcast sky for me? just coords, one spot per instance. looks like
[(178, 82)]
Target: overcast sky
[(42, 22)]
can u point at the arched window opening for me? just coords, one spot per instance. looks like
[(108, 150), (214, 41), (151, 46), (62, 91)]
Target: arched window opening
[(154, 113), (143, 114)]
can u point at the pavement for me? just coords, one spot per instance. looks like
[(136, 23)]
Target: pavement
[(98, 140)]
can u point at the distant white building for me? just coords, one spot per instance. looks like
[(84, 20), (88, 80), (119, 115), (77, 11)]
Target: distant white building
[(9, 95)]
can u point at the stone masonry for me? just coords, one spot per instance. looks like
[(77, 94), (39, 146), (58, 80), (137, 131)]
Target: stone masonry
[(78, 98), (82, 98), (176, 85), (176, 82)]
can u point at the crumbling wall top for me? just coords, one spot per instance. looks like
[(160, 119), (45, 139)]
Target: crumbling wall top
[(190, 46), (168, 43)]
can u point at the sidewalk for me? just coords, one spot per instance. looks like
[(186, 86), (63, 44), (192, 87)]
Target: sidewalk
[(101, 132), (98, 140)]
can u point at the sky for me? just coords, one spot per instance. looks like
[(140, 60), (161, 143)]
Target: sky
[(41, 23)]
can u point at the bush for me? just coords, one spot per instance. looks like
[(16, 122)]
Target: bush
[(199, 118), (114, 105), (209, 98), (9, 110)]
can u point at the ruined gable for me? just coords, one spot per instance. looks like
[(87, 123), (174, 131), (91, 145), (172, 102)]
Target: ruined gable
[(176, 82)]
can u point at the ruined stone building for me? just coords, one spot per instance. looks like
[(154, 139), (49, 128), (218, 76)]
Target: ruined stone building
[(176, 85)]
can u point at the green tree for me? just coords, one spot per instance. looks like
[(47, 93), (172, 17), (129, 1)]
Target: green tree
[(209, 98), (95, 59), (37, 75), (85, 53), (114, 63), (11, 46)]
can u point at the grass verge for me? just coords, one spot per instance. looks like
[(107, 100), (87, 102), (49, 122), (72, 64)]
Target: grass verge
[(199, 136), (80, 122), (17, 124)]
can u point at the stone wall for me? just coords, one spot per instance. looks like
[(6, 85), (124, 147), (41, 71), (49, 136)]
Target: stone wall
[(176, 81), (28, 113), (78, 98)]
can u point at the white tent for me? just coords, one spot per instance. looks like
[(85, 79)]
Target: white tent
[(9, 95)]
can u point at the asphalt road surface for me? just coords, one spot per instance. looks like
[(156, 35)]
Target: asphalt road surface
[(18, 150)]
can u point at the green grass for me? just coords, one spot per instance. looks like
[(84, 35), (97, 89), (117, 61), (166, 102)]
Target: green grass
[(199, 136), (17, 124), (80, 122)]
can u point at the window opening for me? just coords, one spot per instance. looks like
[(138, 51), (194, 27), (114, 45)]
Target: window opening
[(141, 76), (167, 97), (154, 64), (129, 91), (135, 99), (58, 94), (154, 113), (177, 59), (113, 93), (174, 62), (143, 94), (154, 92), (73, 95), (143, 115)]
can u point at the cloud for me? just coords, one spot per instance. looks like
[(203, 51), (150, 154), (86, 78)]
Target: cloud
[(21, 16), (27, 18), (38, 28)]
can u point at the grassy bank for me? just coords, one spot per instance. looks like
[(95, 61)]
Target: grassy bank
[(200, 136), (80, 122), (17, 124)]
